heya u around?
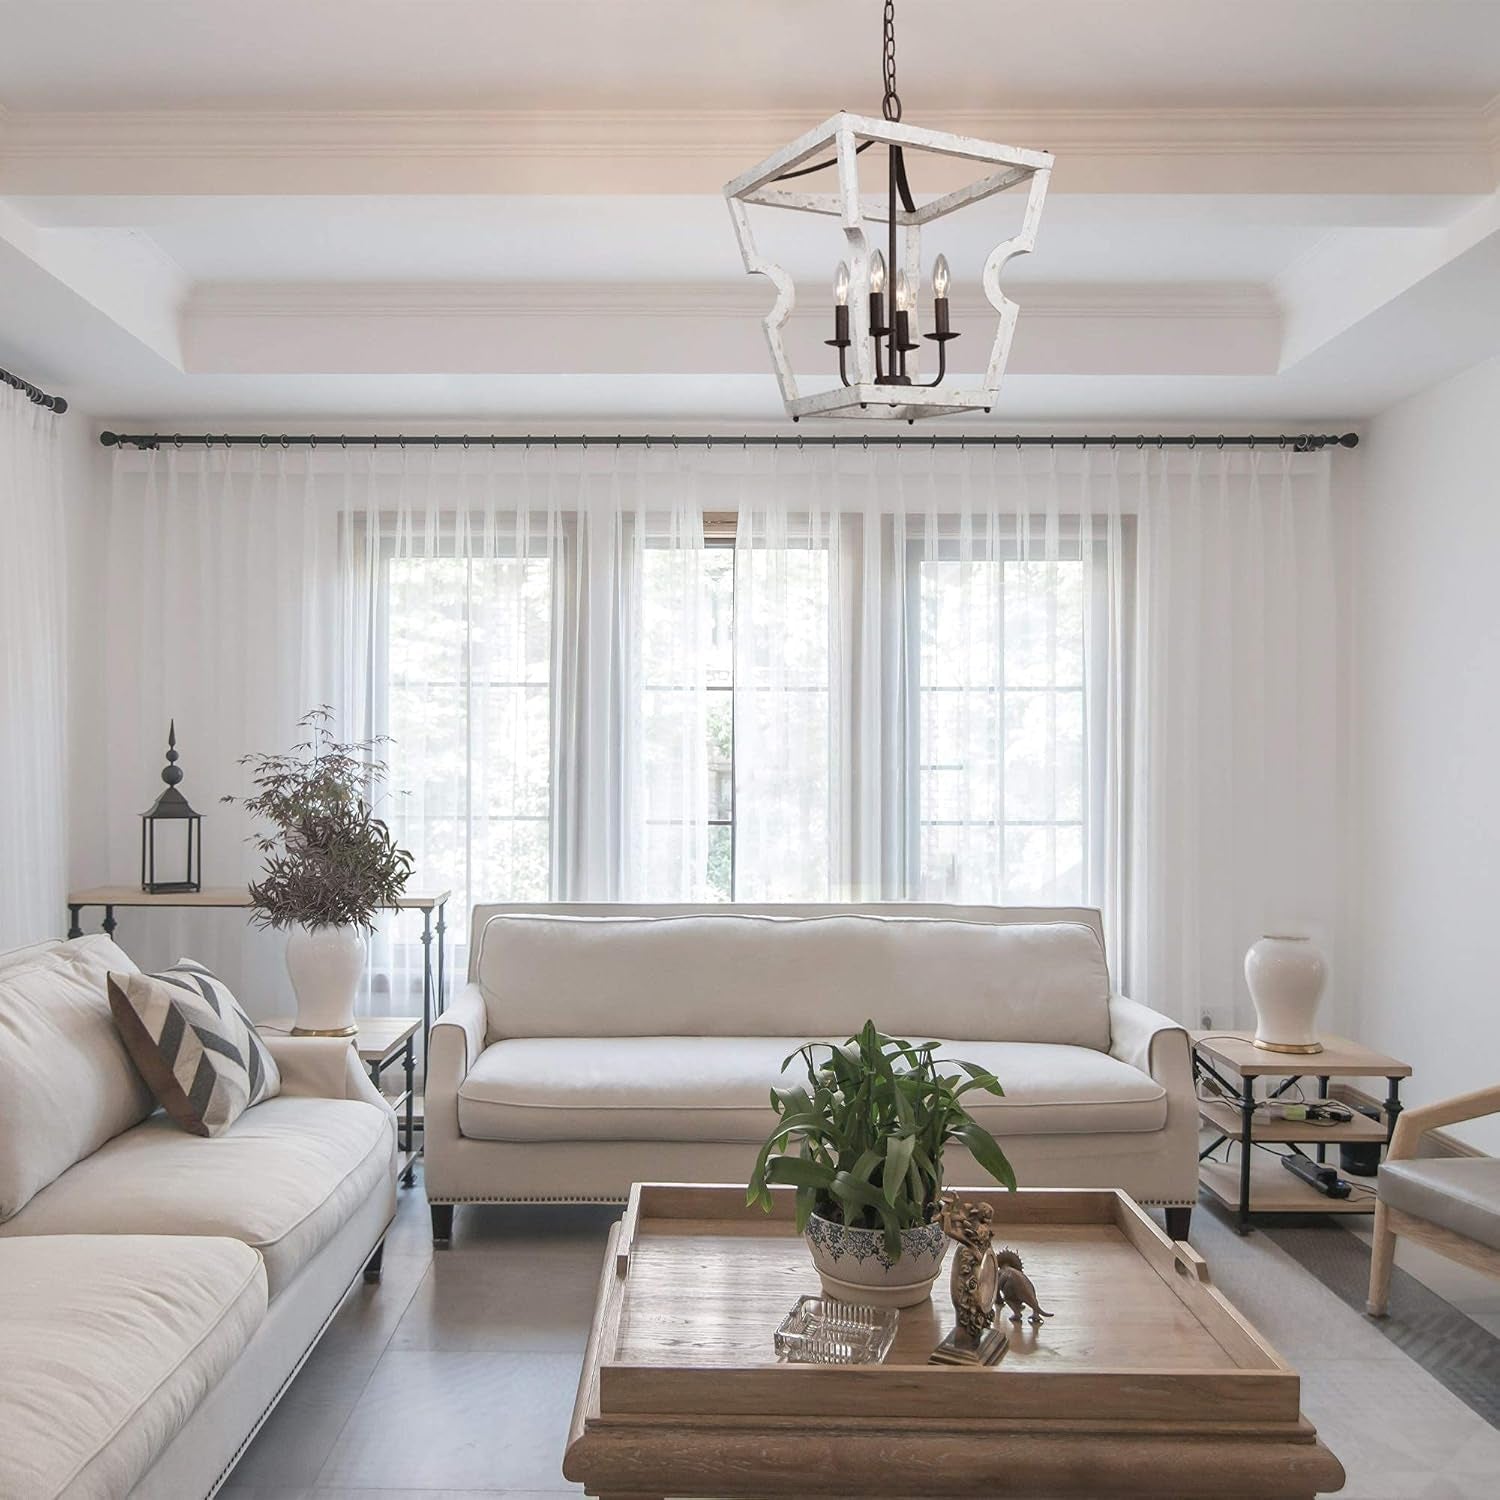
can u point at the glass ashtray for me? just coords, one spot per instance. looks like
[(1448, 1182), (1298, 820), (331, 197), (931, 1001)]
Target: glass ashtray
[(820, 1331)]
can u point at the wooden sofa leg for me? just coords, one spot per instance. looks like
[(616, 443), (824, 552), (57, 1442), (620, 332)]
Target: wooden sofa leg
[(1382, 1257), (373, 1265), (1179, 1220), (442, 1223)]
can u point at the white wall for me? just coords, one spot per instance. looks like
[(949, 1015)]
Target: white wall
[(1427, 740)]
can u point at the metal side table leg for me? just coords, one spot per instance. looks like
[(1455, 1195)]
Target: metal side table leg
[(1247, 1120)]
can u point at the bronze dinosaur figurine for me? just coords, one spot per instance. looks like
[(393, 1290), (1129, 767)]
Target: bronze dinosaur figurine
[(1015, 1288)]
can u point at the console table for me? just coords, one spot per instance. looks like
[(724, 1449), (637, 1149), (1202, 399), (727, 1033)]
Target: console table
[(1249, 1187), (433, 906)]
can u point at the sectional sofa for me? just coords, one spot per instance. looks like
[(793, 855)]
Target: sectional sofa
[(597, 1045), (158, 1291)]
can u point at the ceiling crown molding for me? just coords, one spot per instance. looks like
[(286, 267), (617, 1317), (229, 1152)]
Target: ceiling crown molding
[(654, 301), (1430, 148)]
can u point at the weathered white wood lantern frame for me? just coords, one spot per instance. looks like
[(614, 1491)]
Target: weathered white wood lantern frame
[(844, 134)]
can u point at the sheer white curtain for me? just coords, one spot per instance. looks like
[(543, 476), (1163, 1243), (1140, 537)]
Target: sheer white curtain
[(980, 675), (33, 645), (526, 631), (926, 704)]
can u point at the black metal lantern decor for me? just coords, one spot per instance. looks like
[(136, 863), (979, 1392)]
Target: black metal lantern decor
[(177, 829)]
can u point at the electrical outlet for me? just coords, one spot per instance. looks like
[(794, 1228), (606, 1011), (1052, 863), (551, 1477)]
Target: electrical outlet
[(1206, 1021)]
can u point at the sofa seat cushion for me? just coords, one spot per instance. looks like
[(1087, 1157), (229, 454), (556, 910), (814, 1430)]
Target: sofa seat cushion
[(108, 1343), (1458, 1193), (670, 1088), (283, 1178)]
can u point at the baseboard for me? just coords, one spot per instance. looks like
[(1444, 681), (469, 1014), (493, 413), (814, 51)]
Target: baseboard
[(1434, 1142)]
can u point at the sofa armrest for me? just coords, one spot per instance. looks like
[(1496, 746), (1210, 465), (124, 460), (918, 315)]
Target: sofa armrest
[(321, 1067), (455, 1044), (1154, 1043)]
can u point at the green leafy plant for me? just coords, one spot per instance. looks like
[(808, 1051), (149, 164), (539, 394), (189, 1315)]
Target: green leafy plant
[(330, 862), (867, 1133)]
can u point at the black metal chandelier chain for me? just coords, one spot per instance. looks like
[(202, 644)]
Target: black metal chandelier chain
[(890, 105)]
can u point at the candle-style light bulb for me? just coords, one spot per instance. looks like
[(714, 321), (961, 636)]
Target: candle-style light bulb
[(940, 276), (841, 285), (877, 274), (903, 293)]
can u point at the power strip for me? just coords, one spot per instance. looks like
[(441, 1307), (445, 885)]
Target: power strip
[(1324, 1179)]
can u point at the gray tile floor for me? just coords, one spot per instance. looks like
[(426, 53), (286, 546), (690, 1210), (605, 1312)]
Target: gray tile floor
[(454, 1379)]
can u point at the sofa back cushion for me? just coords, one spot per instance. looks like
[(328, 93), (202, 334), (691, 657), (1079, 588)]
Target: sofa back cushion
[(67, 1085), (739, 975)]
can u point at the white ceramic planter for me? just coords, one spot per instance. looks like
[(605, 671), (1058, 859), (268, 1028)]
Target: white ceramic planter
[(854, 1266), (325, 964), (1286, 976)]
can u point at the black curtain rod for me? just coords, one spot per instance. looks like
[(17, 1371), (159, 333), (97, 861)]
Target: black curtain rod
[(1302, 442), (52, 403)]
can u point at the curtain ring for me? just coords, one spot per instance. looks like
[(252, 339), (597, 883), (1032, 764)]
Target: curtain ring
[(1140, 441), (1111, 442), (1052, 442), (343, 441), (1282, 442), (674, 442), (1192, 441), (1221, 442), (799, 442), (208, 441), (554, 442), (227, 444), (1252, 442), (466, 442), (312, 442), (1161, 443), (1018, 442), (528, 442), (435, 444), (286, 442), (617, 442), (865, 442), (709, 442), (265, 442), (401, 441), (1085, 442)]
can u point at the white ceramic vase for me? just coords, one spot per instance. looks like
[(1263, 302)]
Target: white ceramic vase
[(325, 964), (1286, 976), (854, 1265)]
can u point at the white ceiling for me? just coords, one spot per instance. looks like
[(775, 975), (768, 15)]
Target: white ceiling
[(510, 211), (819, 55)]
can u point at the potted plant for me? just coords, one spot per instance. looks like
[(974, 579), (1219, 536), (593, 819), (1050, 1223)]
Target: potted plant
[(331, 865), (867, 1133)]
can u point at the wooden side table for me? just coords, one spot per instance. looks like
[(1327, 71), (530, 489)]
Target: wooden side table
[(380, 1042), (1247, 1186)]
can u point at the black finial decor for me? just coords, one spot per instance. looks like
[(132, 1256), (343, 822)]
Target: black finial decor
[(181, 851)]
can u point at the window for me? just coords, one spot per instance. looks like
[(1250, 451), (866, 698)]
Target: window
[(687, 642), (1002, 753), (468, 709)]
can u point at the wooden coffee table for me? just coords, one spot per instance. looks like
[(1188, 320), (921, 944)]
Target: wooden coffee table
[(1146, 1382)]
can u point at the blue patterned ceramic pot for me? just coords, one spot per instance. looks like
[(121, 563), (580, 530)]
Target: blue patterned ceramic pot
[(854, 1265)]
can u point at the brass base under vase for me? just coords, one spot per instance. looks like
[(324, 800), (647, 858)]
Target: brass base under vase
[(962, 1348), (337, 1031), (1300, 1049)]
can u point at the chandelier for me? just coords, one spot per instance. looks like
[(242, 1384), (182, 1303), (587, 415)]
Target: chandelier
[(876, 295)]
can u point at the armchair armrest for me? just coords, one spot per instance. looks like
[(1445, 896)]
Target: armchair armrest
[(457, 1039), (1413, 1124), (1152, 1042), (321, 1067)]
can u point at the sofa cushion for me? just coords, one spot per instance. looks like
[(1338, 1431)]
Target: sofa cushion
[(283, 1178), (108, 1343), (67, 1084), (194, 1045), (742, 975), (1458, 1193), (718, 1089)]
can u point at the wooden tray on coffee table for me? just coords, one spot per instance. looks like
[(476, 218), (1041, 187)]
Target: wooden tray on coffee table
[(1146, 1382)]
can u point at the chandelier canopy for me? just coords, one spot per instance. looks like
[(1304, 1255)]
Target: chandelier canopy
[(876, 312)]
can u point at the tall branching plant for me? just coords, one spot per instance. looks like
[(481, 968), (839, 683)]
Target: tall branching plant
[(330, 862), (862, 1141)]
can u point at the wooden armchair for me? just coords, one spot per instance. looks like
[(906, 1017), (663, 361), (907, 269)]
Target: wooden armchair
[(1451, 1204)]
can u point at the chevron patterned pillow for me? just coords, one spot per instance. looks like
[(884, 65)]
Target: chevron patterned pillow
[(194, 1046)]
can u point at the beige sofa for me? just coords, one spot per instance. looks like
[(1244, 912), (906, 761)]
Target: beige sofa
[(594, 1046), (158, 1291)]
